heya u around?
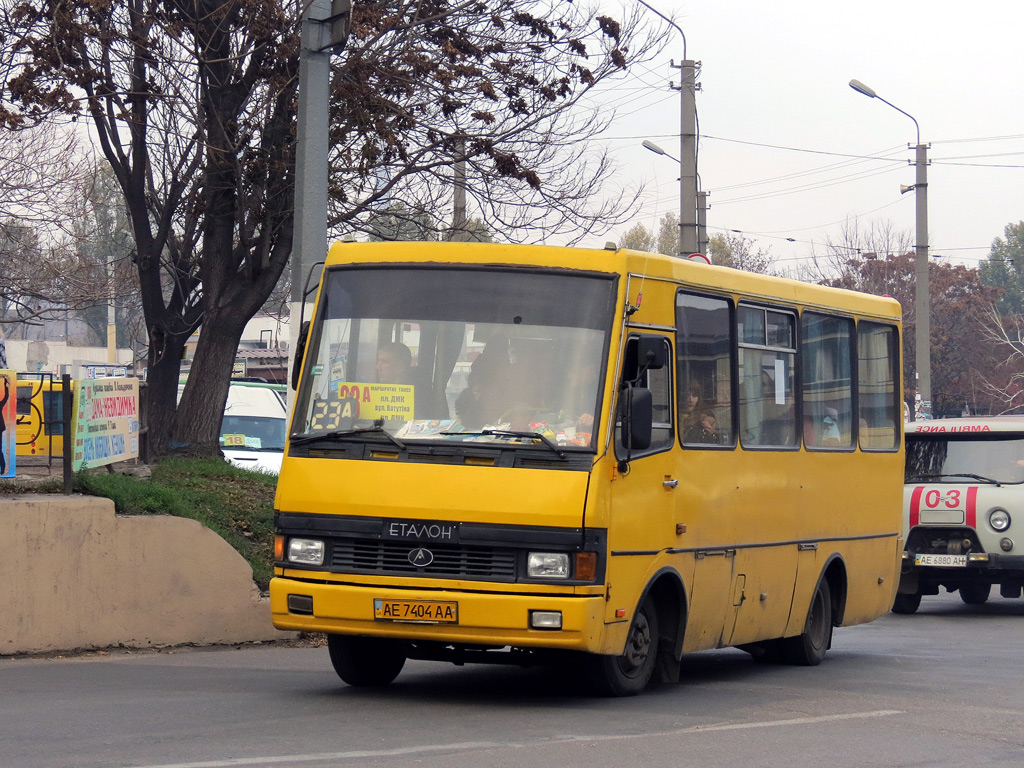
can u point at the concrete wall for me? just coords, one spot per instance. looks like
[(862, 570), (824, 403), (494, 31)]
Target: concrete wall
[(75, 575)]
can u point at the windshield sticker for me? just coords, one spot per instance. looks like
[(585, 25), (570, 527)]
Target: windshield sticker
[(425, 427), (380, 401), (241, 441)]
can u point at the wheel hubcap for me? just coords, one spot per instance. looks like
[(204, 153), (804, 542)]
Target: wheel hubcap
[(638, 646)]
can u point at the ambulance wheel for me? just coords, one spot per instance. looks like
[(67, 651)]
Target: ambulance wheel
[(629, 674), (975, 594), (906, 603), (365, 661), (808, 648)]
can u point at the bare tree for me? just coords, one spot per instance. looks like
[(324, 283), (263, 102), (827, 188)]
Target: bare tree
[(832, 262), (1006, 385), (42, 173), (194, 106)]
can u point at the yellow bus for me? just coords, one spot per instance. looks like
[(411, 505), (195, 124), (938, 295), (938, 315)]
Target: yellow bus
[(530, 454), (40, 415)]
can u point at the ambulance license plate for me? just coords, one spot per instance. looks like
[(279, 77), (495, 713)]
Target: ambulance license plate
[(417, 611), (943, 561)]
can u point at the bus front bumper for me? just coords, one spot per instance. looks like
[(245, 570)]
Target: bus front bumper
[(471, 618)]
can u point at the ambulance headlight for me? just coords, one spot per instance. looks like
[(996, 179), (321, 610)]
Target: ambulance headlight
[(999, 519), (306, 551), (547, 565)]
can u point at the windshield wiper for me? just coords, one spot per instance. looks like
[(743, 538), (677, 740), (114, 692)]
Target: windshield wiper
[(513, 433), (979, 478), (376, 429)]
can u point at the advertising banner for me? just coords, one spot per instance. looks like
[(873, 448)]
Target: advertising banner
[(106, 427), (8, 422)]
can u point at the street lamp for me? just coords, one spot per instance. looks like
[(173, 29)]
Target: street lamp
[(702, 197), (922, 302), (687, 144)]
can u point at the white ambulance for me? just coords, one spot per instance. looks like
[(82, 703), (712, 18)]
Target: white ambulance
[(964, 486)]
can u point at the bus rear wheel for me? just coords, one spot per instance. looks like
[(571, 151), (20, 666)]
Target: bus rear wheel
[(808, 648), (629, 674), (975, 594), (365, 661), (906, 603)]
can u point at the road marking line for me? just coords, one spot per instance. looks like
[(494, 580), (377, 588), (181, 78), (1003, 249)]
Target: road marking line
[(473, 745), (352, 754)]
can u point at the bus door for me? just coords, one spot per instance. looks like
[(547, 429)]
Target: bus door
[(643, 490)]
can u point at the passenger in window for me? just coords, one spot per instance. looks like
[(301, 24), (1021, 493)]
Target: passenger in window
[(830, 435), (394, 363), (692, 405), (704, 430), (477, 404)]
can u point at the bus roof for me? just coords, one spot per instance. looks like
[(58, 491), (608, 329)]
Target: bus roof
[(651, 266)]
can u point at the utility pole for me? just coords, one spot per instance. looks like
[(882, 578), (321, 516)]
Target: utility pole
[(688, 239), (922, 295), (325, 25), (459, 219)]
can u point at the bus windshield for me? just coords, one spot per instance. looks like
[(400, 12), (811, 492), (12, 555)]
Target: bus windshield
[(484, 355), (967, 458)]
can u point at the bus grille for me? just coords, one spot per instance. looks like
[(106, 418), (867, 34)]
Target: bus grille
[(389, 557)]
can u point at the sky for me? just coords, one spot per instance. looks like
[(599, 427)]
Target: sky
[(788, 151)]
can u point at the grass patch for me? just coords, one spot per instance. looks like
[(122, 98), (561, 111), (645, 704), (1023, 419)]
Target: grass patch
[(234, 503)]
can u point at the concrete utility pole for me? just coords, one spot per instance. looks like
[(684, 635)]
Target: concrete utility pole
[(922, 297), (688, 238), (325, 27), (459, 218)]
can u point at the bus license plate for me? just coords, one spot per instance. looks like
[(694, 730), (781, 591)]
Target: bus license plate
[(421, 611), (946, 561)]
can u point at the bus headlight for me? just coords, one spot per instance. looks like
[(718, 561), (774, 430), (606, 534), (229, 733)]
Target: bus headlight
[(547, 565), (306, 551), (999, 519)]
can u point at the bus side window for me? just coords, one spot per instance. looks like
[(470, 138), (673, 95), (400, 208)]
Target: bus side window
[(767, 357), (658, 380), (704, 349), (877, 385), (827, 350)]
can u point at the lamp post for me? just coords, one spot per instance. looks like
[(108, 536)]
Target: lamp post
[(702, 198), (922, 302), (688, 240)]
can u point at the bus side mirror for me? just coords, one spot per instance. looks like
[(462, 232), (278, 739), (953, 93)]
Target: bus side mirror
[(300, 352), (651, 353), (637, 418)]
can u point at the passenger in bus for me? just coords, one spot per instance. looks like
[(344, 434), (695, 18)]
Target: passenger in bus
[(394, 363), (692, 406), (704, 430), (478, 403)]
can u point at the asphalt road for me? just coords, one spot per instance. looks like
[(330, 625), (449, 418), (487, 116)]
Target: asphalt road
[(944, 687)]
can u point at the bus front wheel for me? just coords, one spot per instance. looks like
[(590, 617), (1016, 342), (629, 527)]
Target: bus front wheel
[(365, 661), (808, 648), (629, 674)]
